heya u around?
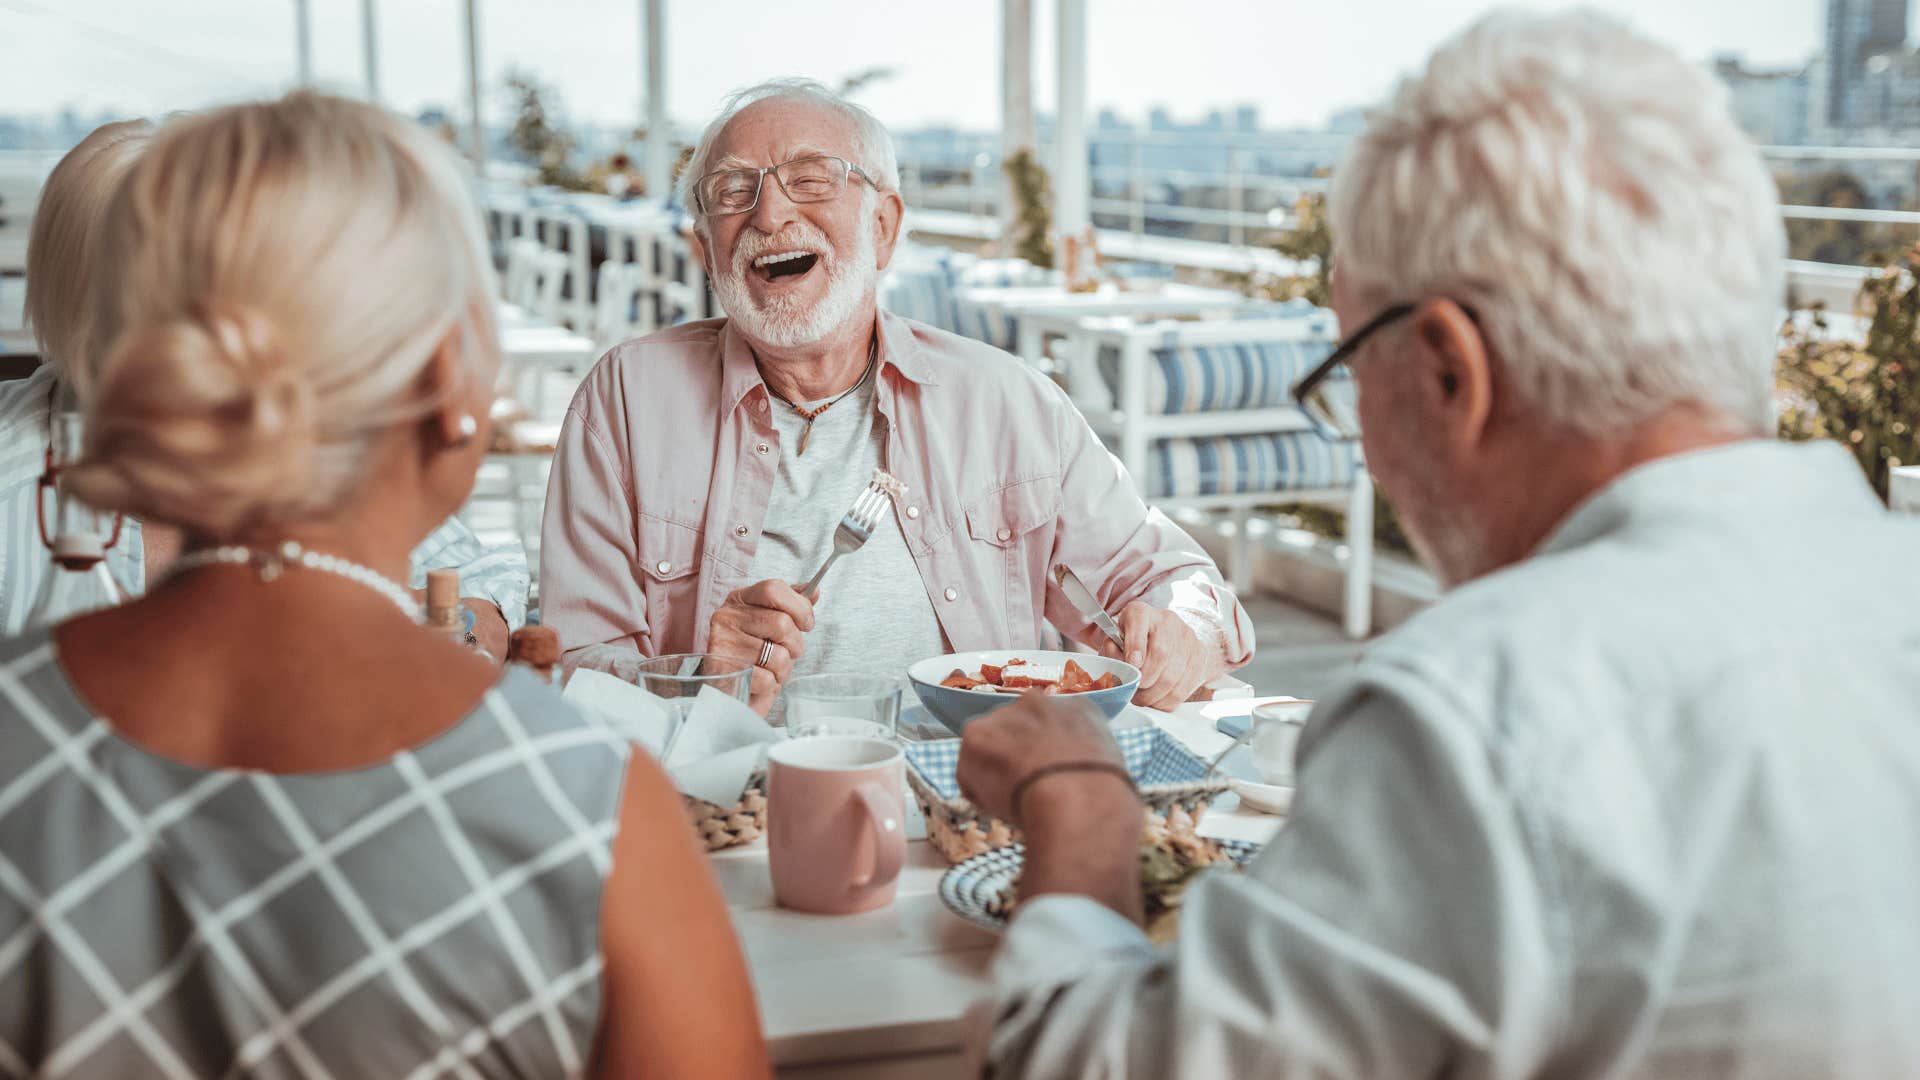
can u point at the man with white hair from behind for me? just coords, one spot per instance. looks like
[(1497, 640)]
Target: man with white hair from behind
[(1632, 799)]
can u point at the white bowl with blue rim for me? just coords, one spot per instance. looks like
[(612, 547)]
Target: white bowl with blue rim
[(957, 708)]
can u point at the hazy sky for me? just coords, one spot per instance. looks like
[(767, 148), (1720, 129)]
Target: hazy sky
[(1296, 60)]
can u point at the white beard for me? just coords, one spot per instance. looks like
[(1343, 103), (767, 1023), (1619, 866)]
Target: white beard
[(783, 323)]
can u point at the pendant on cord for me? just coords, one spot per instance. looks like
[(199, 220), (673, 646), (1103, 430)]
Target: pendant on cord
[(810, 415), (807, 432)]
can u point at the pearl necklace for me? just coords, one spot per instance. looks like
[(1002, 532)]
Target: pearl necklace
[(289, 553)]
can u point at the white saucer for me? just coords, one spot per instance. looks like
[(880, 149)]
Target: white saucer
[(1264, 798)]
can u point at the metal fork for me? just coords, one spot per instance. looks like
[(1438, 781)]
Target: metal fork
[(853, 530)]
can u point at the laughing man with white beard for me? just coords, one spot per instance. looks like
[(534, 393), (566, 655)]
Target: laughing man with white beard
[(702, 469)]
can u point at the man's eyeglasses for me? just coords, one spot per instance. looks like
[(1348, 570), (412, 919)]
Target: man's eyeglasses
[(1327, 395), (811, 179)]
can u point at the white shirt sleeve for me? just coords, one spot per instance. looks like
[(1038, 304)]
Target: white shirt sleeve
[(1396, 927), (496, 573)]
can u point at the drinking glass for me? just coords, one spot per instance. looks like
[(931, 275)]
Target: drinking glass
[(678, 679), (867, 705)]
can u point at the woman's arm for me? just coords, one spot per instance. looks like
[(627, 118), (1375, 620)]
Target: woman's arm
[(678, 1000)]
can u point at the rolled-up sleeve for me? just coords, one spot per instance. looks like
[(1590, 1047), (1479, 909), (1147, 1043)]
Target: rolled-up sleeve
[(591, 590), (1396, 927), (1126, 550), (496, 572)]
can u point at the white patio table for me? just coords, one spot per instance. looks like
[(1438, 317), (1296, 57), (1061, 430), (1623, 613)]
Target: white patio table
[(991, 308), (883, 994)]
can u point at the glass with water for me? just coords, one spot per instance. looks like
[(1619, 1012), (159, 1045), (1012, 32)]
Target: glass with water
[(678, 679), (842, 705)]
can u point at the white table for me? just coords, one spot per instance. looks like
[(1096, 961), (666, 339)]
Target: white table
[(883, 994), (1025, 303)]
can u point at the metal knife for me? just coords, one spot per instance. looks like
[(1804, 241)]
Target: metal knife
[(1082, 600)]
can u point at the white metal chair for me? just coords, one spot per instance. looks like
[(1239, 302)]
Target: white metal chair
[(564, 234), (623, 303)]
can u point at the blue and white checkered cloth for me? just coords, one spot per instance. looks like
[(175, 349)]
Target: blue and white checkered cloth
[(1152, 757)]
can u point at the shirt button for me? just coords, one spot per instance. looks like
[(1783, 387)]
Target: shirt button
[(664, 566), (761, 449), (1004, 535), (953, 594), (739, 530), (913, 511)]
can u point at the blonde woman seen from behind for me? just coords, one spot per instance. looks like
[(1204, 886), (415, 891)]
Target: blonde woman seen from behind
[(317, 837), (62, 264)]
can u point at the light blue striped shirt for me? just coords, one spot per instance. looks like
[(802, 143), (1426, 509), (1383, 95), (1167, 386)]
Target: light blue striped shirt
[(496, 573)]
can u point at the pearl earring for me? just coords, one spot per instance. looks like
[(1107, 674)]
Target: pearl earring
[(467, 427)]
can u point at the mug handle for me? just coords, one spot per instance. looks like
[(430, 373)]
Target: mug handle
[(885, 819)]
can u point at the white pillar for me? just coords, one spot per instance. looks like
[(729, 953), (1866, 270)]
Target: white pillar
[(370, 48), (1070, 180), (1016, 93), (659, 157), (475, 131), (303, 43)]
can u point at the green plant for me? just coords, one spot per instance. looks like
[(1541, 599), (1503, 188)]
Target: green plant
[(1309, 243), (1864, 395), (1321, 520), (1031, 235), (537, 139)]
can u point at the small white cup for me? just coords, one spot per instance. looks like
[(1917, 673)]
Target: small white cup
[(1276, 734)]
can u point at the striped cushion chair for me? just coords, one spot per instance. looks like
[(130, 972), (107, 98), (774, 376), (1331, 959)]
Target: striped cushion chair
[(1230, 375), (1202, 414), (1267, 464), (998, 329), (919, 289)]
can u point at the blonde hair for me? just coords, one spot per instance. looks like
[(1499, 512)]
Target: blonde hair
[(66, 226), (274, 279), (1588, 193)]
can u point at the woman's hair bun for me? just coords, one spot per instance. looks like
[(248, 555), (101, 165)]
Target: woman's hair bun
[(203, 421)]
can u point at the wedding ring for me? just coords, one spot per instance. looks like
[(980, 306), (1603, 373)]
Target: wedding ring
[(766, 654)]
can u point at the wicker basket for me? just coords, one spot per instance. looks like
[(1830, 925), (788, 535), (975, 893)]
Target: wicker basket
[(727, 826), (1175, 782)]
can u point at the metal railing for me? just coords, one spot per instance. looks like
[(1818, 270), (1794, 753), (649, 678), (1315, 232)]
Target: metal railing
[(1236, 202)]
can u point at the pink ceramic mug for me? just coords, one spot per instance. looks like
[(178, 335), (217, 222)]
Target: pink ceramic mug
[(836, 834)]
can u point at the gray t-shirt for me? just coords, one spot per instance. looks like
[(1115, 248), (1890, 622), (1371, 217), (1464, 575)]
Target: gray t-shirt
[(874, 614)]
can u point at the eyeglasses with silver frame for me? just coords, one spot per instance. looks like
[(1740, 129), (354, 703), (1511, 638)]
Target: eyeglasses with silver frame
[(1328, 395), (810, 179)]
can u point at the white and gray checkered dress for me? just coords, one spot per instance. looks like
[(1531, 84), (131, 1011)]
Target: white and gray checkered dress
[(437, 914)]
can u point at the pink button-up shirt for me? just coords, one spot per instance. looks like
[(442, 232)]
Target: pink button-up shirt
[(660, 483)]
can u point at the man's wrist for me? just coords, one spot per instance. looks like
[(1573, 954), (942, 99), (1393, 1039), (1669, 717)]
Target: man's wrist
[(1077, 801), (1211, 632), (1083, 839)]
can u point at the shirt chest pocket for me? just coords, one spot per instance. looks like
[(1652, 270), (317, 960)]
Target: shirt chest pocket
[(669, 554), (1011, 538), (1004, 518)]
